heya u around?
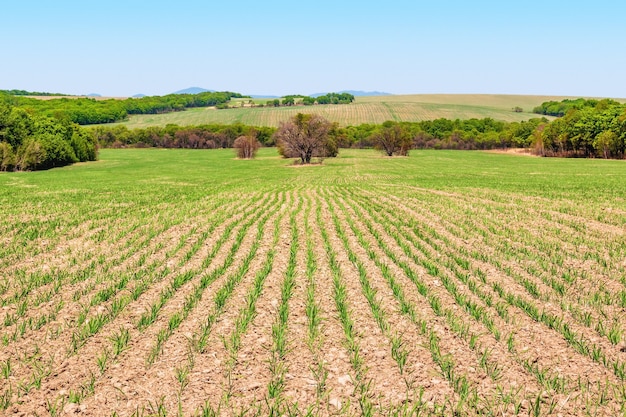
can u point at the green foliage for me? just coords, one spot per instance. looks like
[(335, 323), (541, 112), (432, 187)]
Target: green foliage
[(30, 93), (561, 108), (83, 144), (86, 111), (7, 156), (335, 98), (30, 142), (598, 131), (30, 155), (392, 139), (377, 109), (297, 99)]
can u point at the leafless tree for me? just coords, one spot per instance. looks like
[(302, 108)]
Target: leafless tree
[(304, 136), (246, 146)]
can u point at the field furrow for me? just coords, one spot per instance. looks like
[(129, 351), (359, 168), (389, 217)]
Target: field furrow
[(191, 283)]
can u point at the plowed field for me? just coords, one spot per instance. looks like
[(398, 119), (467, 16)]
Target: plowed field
[(157, 282)]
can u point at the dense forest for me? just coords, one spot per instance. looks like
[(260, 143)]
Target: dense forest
[(561, 108), (593, 130), (29, 142), (86, 111)]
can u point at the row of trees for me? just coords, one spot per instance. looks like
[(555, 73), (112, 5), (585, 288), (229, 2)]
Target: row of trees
[(85, 111), (469, 134), (561, 108), (29, 142), (436, 134), (593, 130), (295, 100), (29, 93), (174, 136), (598, 131)]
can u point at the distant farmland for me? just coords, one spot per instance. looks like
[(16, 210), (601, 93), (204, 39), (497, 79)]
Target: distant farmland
[(376, 109)]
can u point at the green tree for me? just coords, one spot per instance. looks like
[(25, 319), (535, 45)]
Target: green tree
[(7, 157), (605, 143), (58, 152), (392, 139), (289, 101), (30, 155)]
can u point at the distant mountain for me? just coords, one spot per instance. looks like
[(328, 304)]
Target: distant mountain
[(139, 95), (94, 95), (262, 96), (193, 90), (356, 93)]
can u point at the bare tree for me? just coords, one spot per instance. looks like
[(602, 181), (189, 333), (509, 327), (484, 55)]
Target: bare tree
[(246, 146), (304, 136)]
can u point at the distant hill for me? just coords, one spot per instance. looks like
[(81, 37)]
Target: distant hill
[(139, 95), (94, 95), (357, 93), (262, 96), (193, 90)]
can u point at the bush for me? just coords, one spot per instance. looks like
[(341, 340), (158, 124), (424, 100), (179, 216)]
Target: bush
[(7, 157), (246, 146), (58, 152), (30, 155)]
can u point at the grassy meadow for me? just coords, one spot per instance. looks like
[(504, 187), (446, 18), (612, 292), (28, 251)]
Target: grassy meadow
[(184, 282), (375, 109)]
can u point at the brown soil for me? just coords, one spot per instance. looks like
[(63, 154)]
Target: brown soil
[(475, 241)]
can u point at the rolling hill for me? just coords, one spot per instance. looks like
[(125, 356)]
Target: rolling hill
[(365, 109)]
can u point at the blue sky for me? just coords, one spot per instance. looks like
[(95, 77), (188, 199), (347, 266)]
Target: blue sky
[(121, 48)]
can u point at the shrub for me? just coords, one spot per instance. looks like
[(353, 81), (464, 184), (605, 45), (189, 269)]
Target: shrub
[(7, 157), (246, 146)]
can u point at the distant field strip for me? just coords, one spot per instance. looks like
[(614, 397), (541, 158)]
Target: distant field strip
[(410, 108), (310, 292)]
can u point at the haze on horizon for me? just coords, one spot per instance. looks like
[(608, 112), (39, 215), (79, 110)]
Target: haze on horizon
[(281, 47)]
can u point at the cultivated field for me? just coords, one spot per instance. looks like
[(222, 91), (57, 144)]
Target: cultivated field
[(378, 109), (178, 282)]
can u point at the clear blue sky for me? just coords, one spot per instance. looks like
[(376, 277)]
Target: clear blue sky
[(121, 48)]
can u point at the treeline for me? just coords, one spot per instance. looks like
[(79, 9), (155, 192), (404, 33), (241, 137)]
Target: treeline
[(30, 142), (436, 134), (30, 93), (561, 108), (174, 136), (86, 111), (469, 134), (588, 131), (296, 100)]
